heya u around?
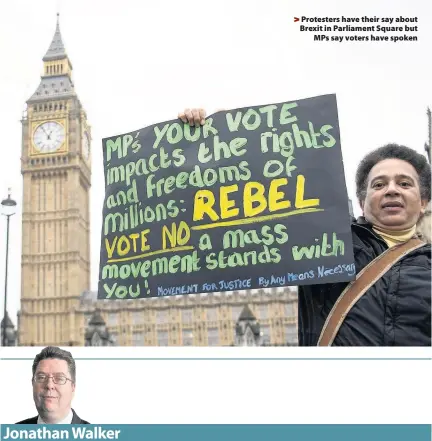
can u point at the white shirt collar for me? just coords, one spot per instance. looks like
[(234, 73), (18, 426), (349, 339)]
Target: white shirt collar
[(67, 420)]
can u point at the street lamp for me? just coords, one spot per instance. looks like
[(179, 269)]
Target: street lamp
[(8, 207)]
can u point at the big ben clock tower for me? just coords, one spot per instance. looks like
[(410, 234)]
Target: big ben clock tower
[(56, 169)]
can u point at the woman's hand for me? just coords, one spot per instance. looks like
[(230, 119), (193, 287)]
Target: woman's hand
[(194, 117)]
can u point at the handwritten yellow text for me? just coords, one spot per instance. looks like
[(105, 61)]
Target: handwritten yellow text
[(254, 200)]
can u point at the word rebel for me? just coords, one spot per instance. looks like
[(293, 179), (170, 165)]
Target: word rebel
[(254, 200)]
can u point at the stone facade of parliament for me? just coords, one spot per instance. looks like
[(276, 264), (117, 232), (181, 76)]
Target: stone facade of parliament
[(194, 320), (57, 307)]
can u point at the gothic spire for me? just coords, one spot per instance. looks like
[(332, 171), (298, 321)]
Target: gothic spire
[(56, 50), (56, 80)]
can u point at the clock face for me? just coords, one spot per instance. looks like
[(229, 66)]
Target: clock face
[(48, 137), (86, 145)]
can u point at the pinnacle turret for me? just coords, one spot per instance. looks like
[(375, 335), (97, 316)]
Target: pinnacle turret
[(56, 50)]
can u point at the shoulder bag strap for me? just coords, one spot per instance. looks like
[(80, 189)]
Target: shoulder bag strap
[(365, 279)]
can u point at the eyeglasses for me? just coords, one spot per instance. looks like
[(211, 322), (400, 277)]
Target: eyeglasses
[(57, 379)]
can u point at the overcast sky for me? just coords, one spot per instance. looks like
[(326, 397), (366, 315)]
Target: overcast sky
[(138, 63)]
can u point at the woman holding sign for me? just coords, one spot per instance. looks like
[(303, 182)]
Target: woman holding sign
[(389, 303)]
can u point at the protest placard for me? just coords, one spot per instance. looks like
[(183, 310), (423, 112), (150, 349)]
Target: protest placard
[(254, 198)]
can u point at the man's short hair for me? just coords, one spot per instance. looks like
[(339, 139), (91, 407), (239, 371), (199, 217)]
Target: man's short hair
[(394, 151), (60, 354)]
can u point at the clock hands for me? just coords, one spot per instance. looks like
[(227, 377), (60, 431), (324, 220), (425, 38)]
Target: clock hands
[(46, 133)]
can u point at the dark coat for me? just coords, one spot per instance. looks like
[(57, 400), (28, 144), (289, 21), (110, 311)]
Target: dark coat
[(75, 420), (396, 311)]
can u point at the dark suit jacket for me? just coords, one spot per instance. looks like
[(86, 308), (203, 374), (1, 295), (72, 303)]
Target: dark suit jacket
[(75, 420)]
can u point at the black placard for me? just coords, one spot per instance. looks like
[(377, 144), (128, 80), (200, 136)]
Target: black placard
[(254, 198)]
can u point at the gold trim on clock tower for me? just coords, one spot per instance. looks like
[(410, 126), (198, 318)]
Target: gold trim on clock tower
[(56, 169)]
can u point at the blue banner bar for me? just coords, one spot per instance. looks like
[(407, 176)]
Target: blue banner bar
[(218, 432)]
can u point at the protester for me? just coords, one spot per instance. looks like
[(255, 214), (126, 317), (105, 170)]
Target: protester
[(393, 189), (53, 383)]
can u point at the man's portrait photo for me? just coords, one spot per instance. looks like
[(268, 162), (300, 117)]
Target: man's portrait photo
[(54, 381)]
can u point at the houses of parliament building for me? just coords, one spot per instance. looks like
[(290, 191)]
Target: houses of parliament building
[(57, 307)]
